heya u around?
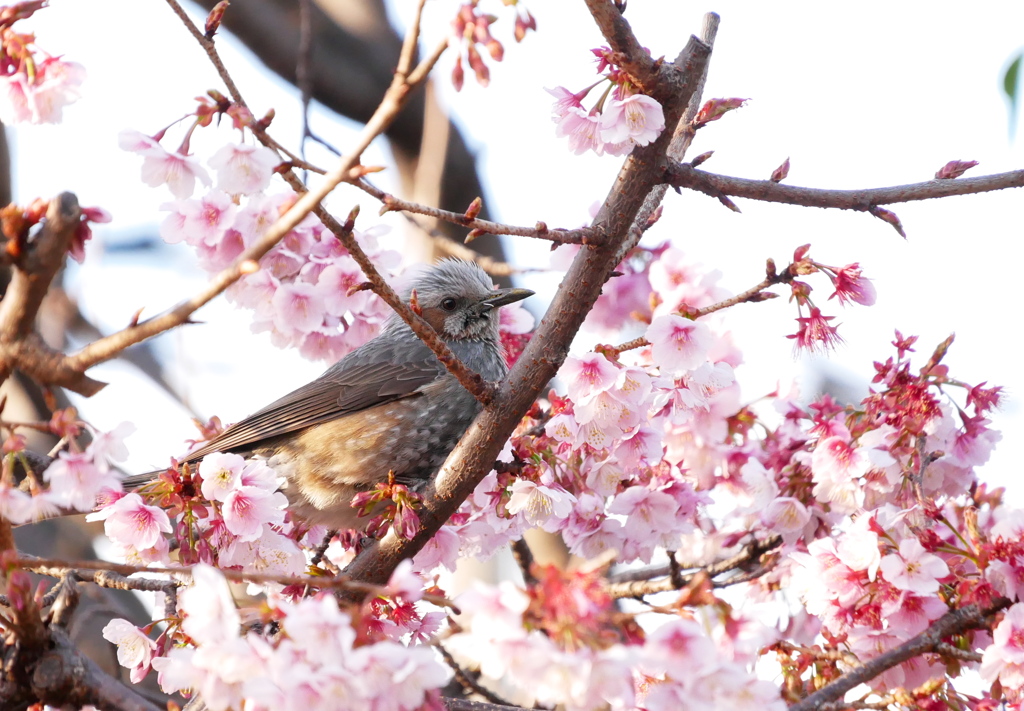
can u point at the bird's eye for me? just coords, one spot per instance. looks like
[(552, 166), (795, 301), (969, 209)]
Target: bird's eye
[(448, 304)]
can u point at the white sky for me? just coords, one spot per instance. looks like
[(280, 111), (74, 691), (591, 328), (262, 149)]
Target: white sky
[(857, 96)]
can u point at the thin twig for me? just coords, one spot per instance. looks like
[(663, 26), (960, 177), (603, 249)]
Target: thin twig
[(662, 578), (682, 175), (57, 568), (466, 679)]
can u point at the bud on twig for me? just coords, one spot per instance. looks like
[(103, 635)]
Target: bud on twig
[(474, 209), (701, 158), (213, 20), (888, 216), (954, 169), (780, 173)]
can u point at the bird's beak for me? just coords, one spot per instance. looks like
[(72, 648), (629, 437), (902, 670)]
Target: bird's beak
[(504, 297)]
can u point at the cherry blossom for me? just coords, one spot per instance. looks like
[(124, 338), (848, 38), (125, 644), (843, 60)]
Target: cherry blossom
[(134, 648)]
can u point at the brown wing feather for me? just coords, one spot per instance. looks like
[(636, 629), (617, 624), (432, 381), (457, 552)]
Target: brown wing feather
[(335, 393)]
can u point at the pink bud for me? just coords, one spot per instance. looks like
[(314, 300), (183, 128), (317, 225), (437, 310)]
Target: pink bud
[(954, 169)]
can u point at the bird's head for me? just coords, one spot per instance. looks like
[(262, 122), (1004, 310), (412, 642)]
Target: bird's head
[(457, 299)]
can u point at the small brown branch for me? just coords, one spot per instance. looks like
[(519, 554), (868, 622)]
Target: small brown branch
[(753, 294), (57, 568), (662, 578), (390, 203), (682, 175), (524, 558), (952, 623), (468, 680), (467, 705)]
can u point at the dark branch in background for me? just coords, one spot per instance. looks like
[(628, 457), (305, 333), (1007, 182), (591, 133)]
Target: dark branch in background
[(683, 175), (473, 457), (952, 623)]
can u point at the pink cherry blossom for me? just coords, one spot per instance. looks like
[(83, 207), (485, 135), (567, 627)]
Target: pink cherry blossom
[(130, 522), (248, 508), (178, 172), (221, 475), (134, 648), (636, 120), (565, 102), (583, 130), (200, 222), (541, 505), (1004, 658), (678, 344), (298, 307), (851, 286), (914, 569), (243, 169), (76, 480), (211, 615), (588, 375)]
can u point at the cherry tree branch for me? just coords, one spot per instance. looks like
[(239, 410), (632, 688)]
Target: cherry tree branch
[(754, 294), (674, 87), (683, 175), (21, 346), (952, 623), (662, 578), (57, 568), (616, 30), (390, 203)]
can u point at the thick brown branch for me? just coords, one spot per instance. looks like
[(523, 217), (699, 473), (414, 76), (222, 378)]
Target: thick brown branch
[(20, 345), (682, 175), (952, 623)]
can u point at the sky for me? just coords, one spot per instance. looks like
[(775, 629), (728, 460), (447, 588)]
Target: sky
[(855, 95)]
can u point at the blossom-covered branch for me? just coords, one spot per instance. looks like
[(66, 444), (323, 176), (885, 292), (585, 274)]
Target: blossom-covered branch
[(348, 170), (475, 454), (952, 623)]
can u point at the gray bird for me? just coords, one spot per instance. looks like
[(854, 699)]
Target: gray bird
[(388, 406)]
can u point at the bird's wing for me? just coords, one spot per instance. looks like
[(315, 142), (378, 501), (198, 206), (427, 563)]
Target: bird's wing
[(344, 389)]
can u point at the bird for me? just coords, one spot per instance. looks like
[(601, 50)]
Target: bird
[(387, 407)]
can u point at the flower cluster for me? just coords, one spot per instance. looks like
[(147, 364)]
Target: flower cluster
[(622, 118), (227, 512), (74, 480), (320, 658), (34, 86), (563, 643), (304, 294)]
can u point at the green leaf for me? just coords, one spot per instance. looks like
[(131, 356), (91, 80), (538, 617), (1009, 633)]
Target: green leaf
[(1011, 86)]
